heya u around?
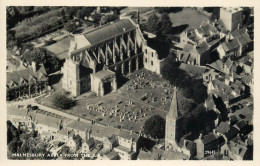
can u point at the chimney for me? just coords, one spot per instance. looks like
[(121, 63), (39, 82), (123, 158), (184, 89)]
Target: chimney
[(34, 66)]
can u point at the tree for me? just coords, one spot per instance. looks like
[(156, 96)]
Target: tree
[(166, 24), (155, 126), (63, 102), (70, 26), (154, 24)]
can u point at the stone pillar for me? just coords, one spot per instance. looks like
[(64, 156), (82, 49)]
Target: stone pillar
[(137, 63), (130, 66), (123, 68), (114, 84), (101, 88)]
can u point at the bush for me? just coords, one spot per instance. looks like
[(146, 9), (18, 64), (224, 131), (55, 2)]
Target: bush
[(155, 126), (63, 102)]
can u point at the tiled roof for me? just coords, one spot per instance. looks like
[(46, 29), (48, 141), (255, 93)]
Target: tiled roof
[(111, 155), (143, 155), (108, 31), (240, 125), (231, 133), (228, 63)]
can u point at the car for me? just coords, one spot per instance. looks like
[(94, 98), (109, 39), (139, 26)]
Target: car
[(34, 107)]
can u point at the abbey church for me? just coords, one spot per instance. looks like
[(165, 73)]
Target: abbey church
[(96, 57)]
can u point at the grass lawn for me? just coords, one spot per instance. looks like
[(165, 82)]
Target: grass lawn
[(189, 17)]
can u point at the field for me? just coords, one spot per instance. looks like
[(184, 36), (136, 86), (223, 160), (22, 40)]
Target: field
[(189, 17), (144, 95)]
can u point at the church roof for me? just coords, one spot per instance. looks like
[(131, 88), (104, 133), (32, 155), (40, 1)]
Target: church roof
[(173, 113), (108, 31)]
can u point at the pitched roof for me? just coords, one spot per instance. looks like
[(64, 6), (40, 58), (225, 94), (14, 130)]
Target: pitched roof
[(209, 138), (90, 141), (111, 155), (128, 135), (174, 155), (244, 39), (202, 48), (238, 32), (227, 46), (46, 120), (78, 125), (26, 74), (223, 127), (193, 70), (109, 31), (143, 155)]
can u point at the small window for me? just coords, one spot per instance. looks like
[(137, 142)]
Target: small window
[(152, 54), (152, 63), (146, 60), (207, 77), (146, 51)]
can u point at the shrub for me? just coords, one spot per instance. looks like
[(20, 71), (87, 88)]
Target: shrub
[(155, 126)]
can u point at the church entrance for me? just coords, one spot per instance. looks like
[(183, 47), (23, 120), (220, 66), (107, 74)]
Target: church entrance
[(107, 87)]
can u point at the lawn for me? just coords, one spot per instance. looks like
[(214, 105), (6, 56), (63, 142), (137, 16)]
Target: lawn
[(189, 17)]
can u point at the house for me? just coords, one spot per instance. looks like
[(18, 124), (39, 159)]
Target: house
[(128, 144), (87, 145), (209, 75), (235, 150), (208, 144), (47, 123), (79, 127), (173, 155), (112, 155), (20, 118), (193, 70), (31, 80), (154, 54)]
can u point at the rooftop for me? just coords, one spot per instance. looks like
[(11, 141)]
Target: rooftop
[(103, 74), (193, 70), (108, 31), (78, 125)]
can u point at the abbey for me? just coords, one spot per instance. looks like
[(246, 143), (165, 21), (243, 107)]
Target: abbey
[(115, 48)]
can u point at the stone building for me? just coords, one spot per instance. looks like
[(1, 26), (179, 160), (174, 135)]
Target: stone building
[(116, 46), (231, 17), (103, 82)]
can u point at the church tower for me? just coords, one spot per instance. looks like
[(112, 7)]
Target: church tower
[(173, 124)]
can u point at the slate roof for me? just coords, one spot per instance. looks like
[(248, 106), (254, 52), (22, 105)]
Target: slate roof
[(26, 75), (238, 32), (60, 48), (223, 127), (174, 155), (202, 48), (227, 46), (128, 135), (47, 120), (78, 125), (109, 31), (244, 39), (90, 142), (209, 138), (16, 111), (193, 70)]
